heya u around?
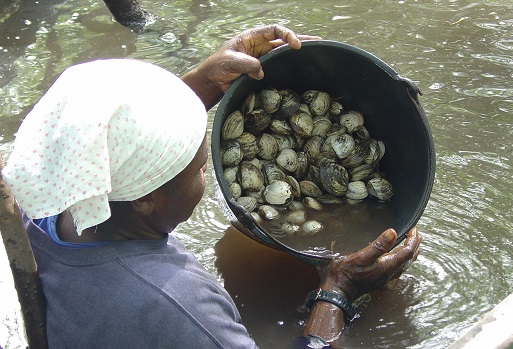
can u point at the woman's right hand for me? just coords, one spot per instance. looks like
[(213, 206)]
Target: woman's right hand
[(371, 267), (355, 275)]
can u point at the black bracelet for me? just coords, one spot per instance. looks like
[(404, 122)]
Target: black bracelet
[(333, 298)]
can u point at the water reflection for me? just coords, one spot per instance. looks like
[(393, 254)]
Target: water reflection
[(458, 53)]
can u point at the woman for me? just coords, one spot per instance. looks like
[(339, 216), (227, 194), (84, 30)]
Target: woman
[(107, 164)]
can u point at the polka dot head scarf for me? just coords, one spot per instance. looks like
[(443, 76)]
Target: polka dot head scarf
[(107, 130)]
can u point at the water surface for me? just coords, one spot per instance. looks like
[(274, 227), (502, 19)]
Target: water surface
[(460, 55)]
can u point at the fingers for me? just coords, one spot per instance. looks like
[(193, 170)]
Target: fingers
[(401, 258), (244, 63), (283, 35), (278, 35), (376, 249), (410, 249), (286, 35)]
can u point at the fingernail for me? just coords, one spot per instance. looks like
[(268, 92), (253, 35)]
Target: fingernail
[(389, 235)]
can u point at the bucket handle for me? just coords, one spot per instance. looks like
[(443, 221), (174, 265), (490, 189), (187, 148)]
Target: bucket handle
[(411, 88)]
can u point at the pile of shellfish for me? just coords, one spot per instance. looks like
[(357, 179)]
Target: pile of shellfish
[(283, 150)]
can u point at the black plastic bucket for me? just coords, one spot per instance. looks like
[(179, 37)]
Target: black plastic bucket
[(392, 113)]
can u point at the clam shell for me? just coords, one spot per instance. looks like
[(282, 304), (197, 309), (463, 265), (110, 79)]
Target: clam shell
[(303, 164), (318, 101), (289, 228), (270, 99), (380, 188), (250, 103), (310, 228), (357, 190), (248, 203), (300, 142), (278, 193), (256, 162), (314, 175), (362, 133), (357, 156), (285, 142), (235, 189), (374, 152), (233, 126), (336, 108), (302, 124), (336, 129), (313, 146), (290, 103), (296, 189), (312, 203), (296, 206), (305, 109), (281, 127), (249, 176), (360, 172), (330, 199), (256, 121), (268, 213), (351, 120), (342, 144), (256, 217), (381, 147), (273, 172), (231, 153), (249, 145), (257, 194), (321, 125), (268, 147), (230, 174), (296, 217), (334, 179), (287, 160), (309, 188), (325, 158)]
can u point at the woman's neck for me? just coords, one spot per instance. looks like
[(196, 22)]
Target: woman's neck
[(110, 230)]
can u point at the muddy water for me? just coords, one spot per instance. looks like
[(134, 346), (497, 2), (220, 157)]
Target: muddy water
[(346, 227), (460, 55)]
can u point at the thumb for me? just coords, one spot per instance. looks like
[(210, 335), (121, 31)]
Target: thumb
[(377, 248)]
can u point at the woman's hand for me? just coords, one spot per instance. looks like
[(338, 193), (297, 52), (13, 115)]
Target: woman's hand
[(373, 266), (359, 273), (238, 56)]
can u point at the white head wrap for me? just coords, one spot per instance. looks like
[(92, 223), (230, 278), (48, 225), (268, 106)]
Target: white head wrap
[(108, 130)]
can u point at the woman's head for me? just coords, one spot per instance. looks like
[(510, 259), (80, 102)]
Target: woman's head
[(108, 130)]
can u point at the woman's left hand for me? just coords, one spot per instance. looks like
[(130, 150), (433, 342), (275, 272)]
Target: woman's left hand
[(238, 56)]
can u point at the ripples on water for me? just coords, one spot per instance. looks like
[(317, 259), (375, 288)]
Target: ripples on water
[(458, 52)]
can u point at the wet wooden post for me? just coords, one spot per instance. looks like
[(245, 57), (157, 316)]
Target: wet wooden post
[(128, 13), (23, 267)]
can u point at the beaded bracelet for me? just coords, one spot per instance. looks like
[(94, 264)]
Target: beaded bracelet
[(333, 298)]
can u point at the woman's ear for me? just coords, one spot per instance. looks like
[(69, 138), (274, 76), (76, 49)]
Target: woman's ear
[(144, 205)]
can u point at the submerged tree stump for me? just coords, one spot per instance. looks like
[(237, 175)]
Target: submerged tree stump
[(23, 267)]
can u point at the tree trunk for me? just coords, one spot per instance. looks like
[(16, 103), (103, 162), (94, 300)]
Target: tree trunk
[(128, 13), (24, 268)]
